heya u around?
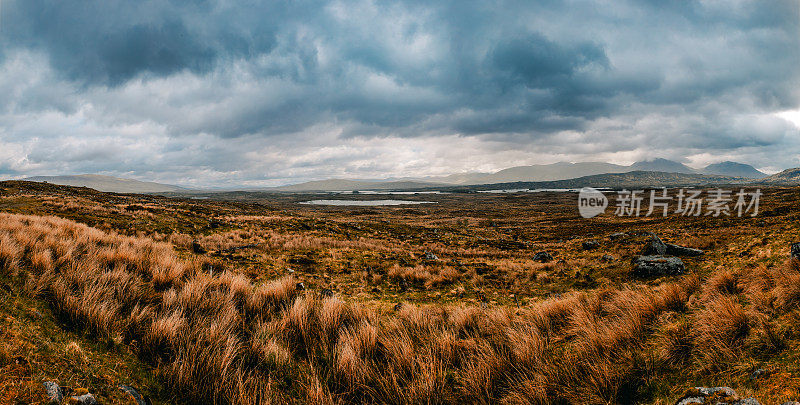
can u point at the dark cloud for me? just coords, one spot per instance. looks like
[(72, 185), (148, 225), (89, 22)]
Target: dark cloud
[(112, 41), (513, 76)]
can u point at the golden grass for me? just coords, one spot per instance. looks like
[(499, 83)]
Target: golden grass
[(217, 337)]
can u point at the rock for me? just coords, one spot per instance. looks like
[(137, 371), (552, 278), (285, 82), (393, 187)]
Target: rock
[(590, 245), (691, 401), (796, 250), (654, 247), (52, 392), (134, 394), (403, 284), (747, 401), (791, 403), (196, 248), (657, 266), (300, 286), (430, 256), (618, 236), (608, 258), (713, 396), (758, 374), (675, 250), (85, 399), (326, 292), (542, 257)]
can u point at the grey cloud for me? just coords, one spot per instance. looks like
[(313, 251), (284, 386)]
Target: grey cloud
[(532, 76), (112, 41)]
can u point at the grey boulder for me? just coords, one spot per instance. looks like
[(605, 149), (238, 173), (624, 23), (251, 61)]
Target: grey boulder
[(590, 245), (133, 393), (654, 247), (53, 392), (542, 257), (676, 250), (657, 266), (714, 396), (85, 399)]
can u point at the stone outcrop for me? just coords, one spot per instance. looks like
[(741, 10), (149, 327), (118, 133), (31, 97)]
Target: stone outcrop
[(542, 257), (53, 392), (713, 396), (657, 266)]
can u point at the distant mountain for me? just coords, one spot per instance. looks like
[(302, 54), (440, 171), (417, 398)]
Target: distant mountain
[(346, 185), (733, 169), (661, 165), (531, 173), (629, 180), (787, 177), (108, 183), (555, 171), (561, 171)]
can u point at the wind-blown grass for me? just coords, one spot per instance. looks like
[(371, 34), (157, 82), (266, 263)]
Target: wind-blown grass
[(214, 336)]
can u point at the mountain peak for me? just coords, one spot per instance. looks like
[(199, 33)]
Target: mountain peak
[(662, 165), (105, 183), (728, 168)]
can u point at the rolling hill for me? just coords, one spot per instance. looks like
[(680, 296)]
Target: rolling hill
[(635, 179), (735, 169), (786, 177), (555, 171), (532, 173), (346, 185), (661, 165), (108, 183)]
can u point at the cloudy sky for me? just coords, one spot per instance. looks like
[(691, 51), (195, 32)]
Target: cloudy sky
[(224, 93)]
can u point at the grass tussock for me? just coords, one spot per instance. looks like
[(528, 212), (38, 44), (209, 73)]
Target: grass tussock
[(214, 336)]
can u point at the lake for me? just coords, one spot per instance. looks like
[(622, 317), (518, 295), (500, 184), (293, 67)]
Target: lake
[(365, 203)]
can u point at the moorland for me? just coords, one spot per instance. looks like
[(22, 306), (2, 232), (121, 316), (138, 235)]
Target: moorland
[(254, 298)]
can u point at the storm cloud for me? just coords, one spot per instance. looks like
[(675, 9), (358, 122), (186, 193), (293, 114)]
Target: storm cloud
[(223, 93)]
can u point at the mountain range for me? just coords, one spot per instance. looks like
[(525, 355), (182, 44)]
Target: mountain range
[(569, 174), (533, 173), (630, 180), (109, 184)]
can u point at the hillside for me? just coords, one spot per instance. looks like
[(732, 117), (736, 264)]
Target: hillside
[(640, 179), (733, 169), (661, 165), (108, 183), (532, 173), (555, 171), (347, 185), (786, 177)]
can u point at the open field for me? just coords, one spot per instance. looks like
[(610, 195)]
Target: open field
[(253, 298)]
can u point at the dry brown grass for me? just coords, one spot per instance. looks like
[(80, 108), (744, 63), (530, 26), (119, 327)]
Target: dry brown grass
[(215, 336)]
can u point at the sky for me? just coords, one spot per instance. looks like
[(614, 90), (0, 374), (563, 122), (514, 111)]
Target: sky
[(222, 93)]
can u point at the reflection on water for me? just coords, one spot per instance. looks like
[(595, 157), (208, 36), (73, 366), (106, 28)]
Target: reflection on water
[(539, 190), (383, 192), (367, 203)]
